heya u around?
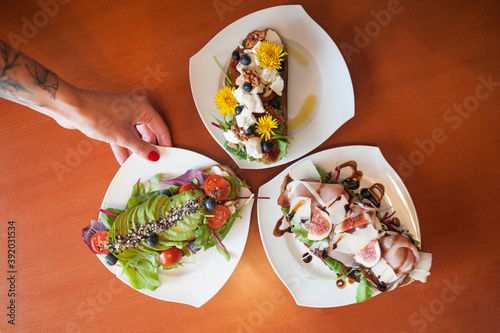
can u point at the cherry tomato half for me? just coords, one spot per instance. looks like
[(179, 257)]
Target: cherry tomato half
[(220, 216), (170, 256), (187, 186), (217, 187), (99, 241)]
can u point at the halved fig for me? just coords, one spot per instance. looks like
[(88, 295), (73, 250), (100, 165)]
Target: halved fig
[(352, 222), (369, 256), (321, 226)]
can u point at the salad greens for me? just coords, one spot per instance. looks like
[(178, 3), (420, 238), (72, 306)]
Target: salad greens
[(178, 219)]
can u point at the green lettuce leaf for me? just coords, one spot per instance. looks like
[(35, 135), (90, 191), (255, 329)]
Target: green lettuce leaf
[(364, 291)]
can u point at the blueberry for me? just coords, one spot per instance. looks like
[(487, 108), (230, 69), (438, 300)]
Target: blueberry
[(245, 59), (111, 259), (191, 246), (247, 86), (236, 55), (267, 146), (282, 64), (238, 109), (166, 192), (152, 240), (211, 203), (276, 103), (251, 130)]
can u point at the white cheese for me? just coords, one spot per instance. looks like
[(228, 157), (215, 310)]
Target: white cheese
[(421, 271), (278, 85), (337, 210), (353, 242), (253, 147), (384, 272), (230, 137), (304, 171), (215, 170), (268, 75), (301, 206), (251, 101), (245, 119), (273, 37)]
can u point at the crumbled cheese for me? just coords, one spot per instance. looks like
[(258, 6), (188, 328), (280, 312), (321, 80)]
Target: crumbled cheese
[(231, 137), (245, 118), (253, 147)]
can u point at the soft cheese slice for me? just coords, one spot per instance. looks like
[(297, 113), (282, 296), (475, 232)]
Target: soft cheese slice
[(421, 271), (304, 171)]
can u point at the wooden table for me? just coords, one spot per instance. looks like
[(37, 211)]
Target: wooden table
[(426, 78)]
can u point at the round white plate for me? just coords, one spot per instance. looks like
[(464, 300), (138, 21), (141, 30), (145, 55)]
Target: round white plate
[(316, 68), (185, 284), (312, 284)]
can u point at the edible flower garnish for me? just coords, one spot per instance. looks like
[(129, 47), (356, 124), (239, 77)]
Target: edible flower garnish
[(225, 101), (270, 55), (265, 125)]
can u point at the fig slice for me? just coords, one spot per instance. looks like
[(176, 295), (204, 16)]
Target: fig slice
[(353, 222), (321, 226), (369, 256)]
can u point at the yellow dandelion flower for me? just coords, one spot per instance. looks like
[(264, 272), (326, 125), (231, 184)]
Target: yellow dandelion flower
[(225, 101), (270, 55), (265, 125)]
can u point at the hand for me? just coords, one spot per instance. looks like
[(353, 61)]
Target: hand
[(126, 121)]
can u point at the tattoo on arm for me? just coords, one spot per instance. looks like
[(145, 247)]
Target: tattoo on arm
[(44, 78), (9, 85)]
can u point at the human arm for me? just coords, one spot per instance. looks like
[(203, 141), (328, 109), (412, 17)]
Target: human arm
[(108, 117)]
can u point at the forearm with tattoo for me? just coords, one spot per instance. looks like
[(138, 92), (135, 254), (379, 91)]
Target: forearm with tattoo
[(25, 81)]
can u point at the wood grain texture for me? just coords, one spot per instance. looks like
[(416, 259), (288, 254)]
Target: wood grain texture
[(410, 76)]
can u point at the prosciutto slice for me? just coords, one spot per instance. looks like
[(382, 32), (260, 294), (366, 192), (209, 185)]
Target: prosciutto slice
[(320, 194), (399, 252)]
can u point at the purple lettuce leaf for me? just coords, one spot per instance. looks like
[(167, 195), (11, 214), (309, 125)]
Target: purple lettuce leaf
[(187, 177), (91, 230)]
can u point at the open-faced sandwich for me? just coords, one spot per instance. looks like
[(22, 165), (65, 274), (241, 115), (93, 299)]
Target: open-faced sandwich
[(166, 220), (345, 227), (253, 101)]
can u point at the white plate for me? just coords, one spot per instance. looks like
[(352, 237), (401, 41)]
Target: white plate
[(325, 75), (311, 284), (186, 284)]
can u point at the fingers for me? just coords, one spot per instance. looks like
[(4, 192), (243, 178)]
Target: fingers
[(121, 154), (152, 124)]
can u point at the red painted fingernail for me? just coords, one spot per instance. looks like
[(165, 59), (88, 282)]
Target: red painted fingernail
[(153, 156)]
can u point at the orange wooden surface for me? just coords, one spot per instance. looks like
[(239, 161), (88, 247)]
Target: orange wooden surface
[(420, 97)]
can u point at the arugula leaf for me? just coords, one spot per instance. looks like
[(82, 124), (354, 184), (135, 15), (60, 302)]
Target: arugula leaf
[(334, 265), (285, 211), (298, 230), (224, 252), (240, 153), (235, 183), (138, 189), (283, 147), (109, 220), (154, 182), (224, 125), (364, 291), (325, 177)]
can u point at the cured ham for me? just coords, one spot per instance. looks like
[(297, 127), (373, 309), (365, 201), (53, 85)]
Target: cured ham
[(399, 252), (320, 194)]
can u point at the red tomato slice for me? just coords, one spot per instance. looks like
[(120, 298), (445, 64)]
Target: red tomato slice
[(99, 241), (220, 216), (217, 187), (187, 186), (170, 256)]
